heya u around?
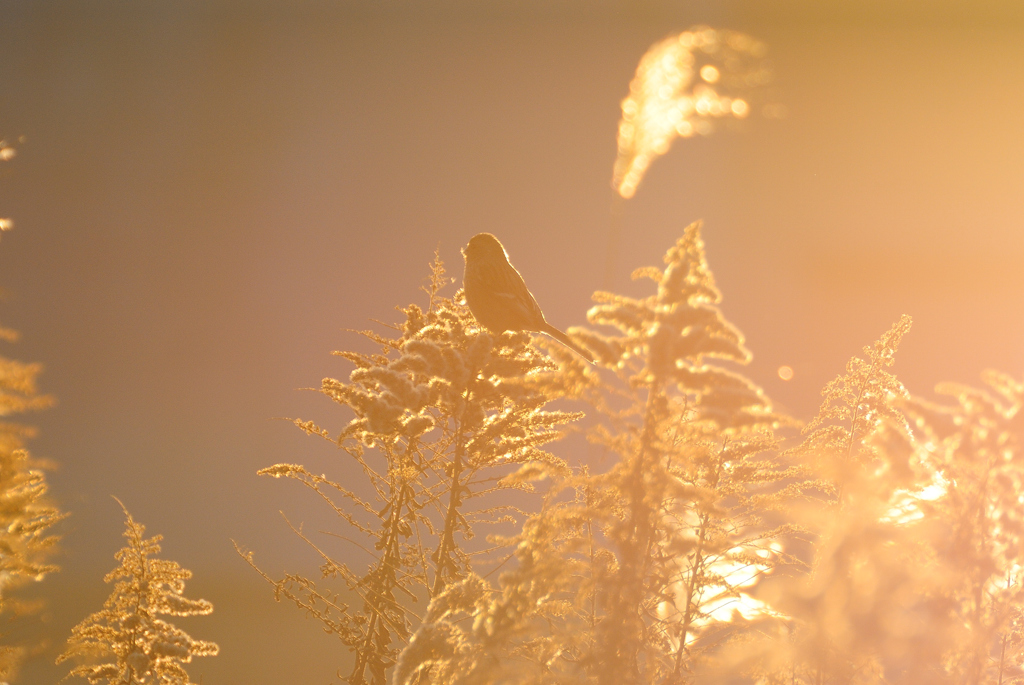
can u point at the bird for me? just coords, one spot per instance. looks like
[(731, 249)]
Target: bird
[(498, 297)]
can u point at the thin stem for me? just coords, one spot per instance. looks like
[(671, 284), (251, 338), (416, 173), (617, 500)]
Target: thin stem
[(696, 569), (623, 646), (447, 543), (1002, 658)]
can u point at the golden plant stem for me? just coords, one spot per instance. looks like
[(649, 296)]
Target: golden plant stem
[(622, 653), (1002, 659), (696, 568), (447, 542), (392, 551)]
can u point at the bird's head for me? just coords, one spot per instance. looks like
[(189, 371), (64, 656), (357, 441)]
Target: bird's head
[(484, 246)]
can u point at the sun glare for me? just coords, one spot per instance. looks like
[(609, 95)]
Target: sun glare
[(906, 506), (728, 601)]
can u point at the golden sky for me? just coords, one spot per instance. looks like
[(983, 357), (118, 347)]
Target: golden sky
[(210, 193)]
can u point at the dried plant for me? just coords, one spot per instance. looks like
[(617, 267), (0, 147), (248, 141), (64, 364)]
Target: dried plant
[(682, 85), (145, 648), (885, 546), (445, 417), (643, 572), (26, 513), (869, 610), (857, 405), (686, 514), (975, 446)]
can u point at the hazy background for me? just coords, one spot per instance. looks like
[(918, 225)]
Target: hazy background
[(211, 193)]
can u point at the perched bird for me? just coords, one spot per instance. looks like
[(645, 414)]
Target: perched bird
[(498, 297)]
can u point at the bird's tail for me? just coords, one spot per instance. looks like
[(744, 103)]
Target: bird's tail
[(567, 341)]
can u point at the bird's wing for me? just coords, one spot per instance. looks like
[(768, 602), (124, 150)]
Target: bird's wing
[(512, 290)]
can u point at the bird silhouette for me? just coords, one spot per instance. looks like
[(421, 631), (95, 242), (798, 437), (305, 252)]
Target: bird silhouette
[(498, 297)]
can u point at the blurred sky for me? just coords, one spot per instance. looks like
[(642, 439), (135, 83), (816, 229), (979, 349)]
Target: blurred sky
[(211, 193)]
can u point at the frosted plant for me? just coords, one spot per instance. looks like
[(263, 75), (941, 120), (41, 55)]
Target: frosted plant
[(26, 513), (976, 445), (885, 547), (682, 85), (873, 609), (857, 405), (443, 416), (641, 573), (127, 637)]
